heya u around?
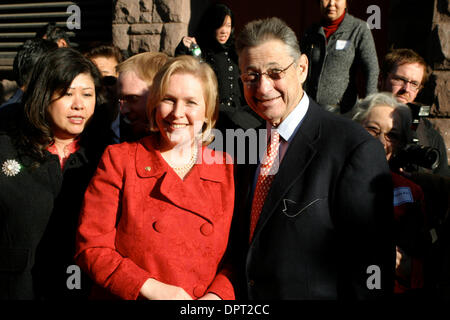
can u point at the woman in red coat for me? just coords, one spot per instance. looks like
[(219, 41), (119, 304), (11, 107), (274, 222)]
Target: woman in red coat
[(157, 214)]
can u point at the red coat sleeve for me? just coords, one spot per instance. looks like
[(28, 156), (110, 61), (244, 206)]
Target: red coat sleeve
[(96, 253), (222, 285)]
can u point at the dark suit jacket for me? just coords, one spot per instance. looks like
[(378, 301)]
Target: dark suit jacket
[(327, 218)]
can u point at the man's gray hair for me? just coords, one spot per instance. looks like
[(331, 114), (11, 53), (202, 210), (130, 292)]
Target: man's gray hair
[(259, 31)]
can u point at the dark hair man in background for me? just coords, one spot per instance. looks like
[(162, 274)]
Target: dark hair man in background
[(24, 61), (55, 34)]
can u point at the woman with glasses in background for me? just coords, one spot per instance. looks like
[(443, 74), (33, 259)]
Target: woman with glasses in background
[(390, 122)]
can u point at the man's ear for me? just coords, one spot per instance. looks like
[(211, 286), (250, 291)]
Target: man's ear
[(62, 43), (302, 64)]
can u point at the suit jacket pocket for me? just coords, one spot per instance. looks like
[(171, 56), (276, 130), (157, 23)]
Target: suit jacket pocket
[(293, 210), (13, 259)]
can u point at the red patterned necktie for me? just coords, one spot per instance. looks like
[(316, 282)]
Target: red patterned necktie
[(268, 169)]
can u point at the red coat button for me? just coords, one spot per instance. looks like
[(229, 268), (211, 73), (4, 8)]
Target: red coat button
[(206, 229), (158, 226)]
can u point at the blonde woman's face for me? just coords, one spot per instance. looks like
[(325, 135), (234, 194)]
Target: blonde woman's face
[(181, 113)]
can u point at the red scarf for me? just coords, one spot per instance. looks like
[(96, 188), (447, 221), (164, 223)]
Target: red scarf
[(330, 27)]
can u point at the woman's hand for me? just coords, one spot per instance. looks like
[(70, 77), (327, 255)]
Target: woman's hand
[(210, 296), (187, 41), (157, 290)]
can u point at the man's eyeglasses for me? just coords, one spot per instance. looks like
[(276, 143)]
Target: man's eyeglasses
[(389, 136), (129, 99), (251, 78), (401, 81), (109, 80)]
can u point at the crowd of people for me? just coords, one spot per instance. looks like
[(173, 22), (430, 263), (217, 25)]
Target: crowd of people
[(107, 165)]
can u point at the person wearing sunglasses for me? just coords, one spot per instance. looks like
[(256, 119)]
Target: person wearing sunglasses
[(313, 218)]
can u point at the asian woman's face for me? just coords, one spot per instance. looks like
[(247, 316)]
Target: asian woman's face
[(71, 112), (223, 32), (332, 9)]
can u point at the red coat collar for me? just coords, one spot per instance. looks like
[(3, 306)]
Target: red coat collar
[(189, 194)]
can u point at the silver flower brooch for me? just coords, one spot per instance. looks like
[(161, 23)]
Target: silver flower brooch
[(11, 168)]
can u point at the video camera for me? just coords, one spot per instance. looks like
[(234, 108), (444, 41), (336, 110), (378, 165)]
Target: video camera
[(414, 155)]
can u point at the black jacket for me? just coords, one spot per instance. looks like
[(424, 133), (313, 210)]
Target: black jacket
[(38, 218), (430, 137)]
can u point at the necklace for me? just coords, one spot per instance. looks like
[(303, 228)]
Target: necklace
[(181, 171)]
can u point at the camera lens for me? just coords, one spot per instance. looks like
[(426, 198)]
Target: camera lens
[(417, 155)]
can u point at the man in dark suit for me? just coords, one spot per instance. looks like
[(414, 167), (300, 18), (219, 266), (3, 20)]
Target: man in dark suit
[(325, 227)]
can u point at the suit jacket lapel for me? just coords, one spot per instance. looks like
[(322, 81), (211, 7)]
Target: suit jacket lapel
[(300, 152)]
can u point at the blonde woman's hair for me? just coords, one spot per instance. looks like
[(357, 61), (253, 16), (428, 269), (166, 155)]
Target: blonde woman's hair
[(200, 70)]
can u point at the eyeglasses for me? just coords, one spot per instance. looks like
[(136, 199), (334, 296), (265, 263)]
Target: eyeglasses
[(388, 136), (109, 80), (129, 99), (401, 81), (252, 78)]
